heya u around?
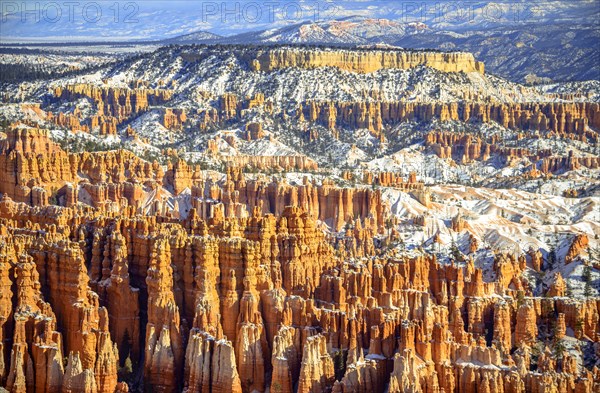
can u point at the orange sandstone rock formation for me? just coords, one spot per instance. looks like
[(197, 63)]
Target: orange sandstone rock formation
[(364, 61), (259, 286)]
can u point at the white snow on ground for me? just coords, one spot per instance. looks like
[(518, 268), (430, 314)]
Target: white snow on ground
[(504, 220)]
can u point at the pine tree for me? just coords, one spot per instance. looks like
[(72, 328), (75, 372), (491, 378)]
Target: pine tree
[(389, 224), (551, 259), (569, 290), (126, 372), (587, 279), (559, 349), (455, 252), (520, 298)]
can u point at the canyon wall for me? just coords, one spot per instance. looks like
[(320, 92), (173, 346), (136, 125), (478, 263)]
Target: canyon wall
[(467, 147), (561, 118)]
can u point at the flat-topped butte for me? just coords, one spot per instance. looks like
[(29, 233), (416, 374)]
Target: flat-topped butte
[(364, 60)]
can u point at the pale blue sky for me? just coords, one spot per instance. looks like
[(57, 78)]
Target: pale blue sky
[(151, 19)]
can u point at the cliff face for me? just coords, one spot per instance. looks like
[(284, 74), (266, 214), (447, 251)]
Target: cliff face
[(560, 118), (173, 118), (29, 161), (116, 102), (285, 163), (465, 148), (35, 169), (364, 61), (112, 106)]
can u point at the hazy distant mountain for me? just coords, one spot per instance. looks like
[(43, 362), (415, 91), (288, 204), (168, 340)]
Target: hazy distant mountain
[(353, 30), (464, 16), (556, 52), (197, 37), (520, 52)]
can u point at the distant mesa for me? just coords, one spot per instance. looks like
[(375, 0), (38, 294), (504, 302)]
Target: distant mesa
[(363, 61)]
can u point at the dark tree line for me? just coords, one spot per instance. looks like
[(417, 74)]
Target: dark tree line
[(17, 73)]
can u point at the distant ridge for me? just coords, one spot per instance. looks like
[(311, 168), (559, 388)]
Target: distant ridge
[(196, 37), (354, 30)]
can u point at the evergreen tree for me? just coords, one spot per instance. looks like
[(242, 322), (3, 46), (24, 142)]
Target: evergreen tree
[(456, 253), (559, 349), (587, 279), (551, 259)]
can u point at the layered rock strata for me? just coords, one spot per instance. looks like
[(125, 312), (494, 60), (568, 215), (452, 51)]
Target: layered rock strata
[(364, 61)]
